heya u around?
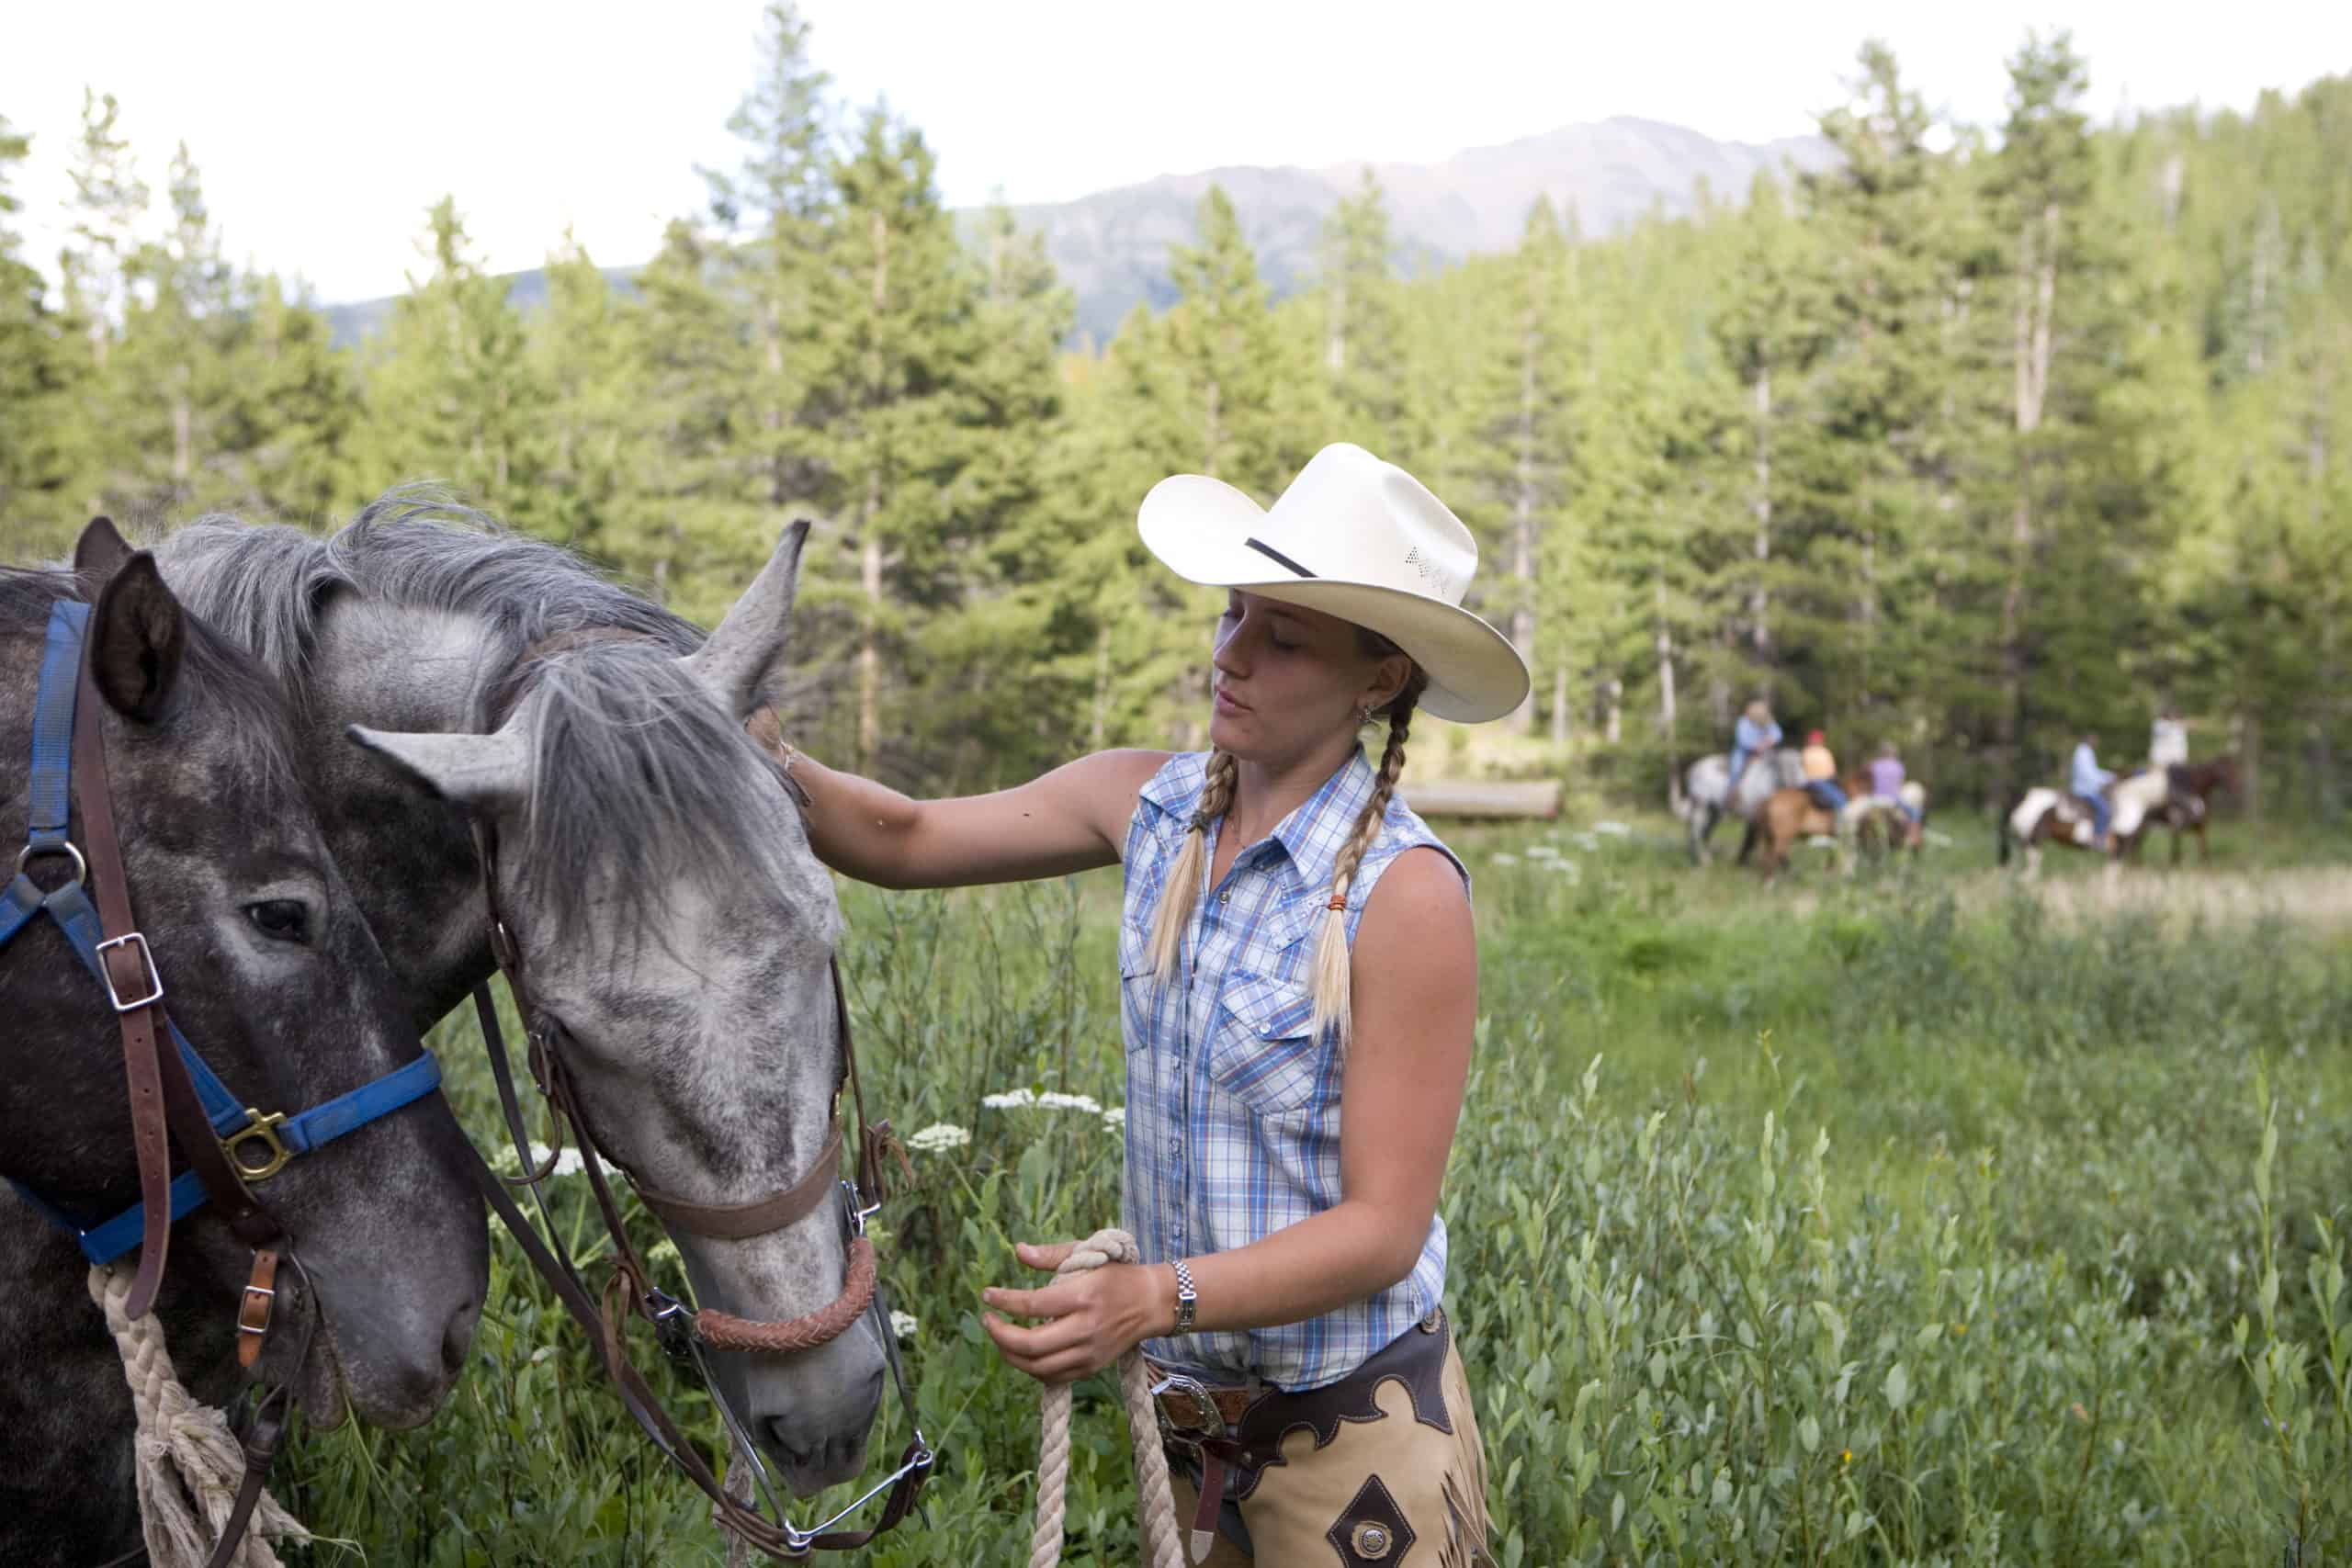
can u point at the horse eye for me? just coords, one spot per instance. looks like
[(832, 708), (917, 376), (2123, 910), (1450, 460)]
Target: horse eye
[(280, 919)]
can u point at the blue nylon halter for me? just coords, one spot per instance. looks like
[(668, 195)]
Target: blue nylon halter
[(70, 909)]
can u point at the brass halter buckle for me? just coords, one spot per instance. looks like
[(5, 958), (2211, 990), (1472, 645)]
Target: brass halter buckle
[(262, 1130)]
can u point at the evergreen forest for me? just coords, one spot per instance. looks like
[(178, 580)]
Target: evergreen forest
[(1978, 437)]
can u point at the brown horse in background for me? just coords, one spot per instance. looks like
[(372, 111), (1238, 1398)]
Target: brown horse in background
[(1788, 816), (2186, 806)]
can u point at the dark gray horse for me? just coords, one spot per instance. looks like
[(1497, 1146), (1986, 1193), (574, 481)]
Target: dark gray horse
[(668, 907), (1707, 785), (274, 977)]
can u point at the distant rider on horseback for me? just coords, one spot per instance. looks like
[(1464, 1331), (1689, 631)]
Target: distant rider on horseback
[(1821, 774), (1886, 779), (2088, 781), (1754, 731)]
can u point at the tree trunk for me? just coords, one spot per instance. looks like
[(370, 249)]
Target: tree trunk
[(1613, 720), (1099, 729), (182, 436), (1760, 596), (1665, 695), (869, 652), (772, 417), (2031, 332), (1213, 434), (1523, 535), (1560, 703)]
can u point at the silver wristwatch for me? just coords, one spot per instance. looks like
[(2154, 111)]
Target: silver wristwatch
[(1186, 1299)]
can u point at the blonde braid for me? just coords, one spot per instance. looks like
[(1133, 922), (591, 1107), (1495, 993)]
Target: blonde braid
[(1330, 983), (1183, 884)]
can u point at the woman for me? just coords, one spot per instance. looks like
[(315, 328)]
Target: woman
[(1754, 731), (1300, 989), (1821, 773)]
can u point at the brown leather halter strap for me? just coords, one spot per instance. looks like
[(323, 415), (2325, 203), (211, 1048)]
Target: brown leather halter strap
[(164, 1107), (629, 1291)]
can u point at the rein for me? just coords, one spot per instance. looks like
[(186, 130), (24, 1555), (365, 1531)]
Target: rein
[(173, 1094), (684, 1332)]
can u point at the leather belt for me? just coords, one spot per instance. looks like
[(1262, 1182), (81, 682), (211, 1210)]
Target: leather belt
[(1188, 1406)]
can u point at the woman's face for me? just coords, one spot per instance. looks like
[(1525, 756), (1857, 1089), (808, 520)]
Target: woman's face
[(1288, 679)]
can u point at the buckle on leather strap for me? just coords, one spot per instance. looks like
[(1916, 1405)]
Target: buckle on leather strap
[(146, 965), (262, 1130), (1212, 1420), (254, 1308)]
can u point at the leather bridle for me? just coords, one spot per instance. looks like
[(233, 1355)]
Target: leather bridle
[(685, 1332), (174, 1095)]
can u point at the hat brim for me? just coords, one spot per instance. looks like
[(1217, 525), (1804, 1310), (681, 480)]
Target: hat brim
[(1199, 527)]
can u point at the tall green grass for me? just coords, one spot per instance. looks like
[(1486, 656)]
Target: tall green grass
[(1890, 1221)]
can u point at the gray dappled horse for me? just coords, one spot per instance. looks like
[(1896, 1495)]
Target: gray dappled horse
[(275, 979), (1704, 786), (667, 904)]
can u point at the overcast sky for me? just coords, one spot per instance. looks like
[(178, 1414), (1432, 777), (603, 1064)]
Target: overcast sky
[(324, 130)]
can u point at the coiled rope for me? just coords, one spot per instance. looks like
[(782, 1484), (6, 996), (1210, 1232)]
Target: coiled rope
[(187, 1460), (1158, 1502)]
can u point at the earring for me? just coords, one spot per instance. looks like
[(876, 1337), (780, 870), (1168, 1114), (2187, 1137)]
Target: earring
[(1363, 714)]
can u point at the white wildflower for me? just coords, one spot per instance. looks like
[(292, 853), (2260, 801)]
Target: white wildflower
[(1011, 1099), (1614, 830), (1542, 852), (566, 1164), (1055, 1100), (902, 1324), (1501, 859), (1115, 1119), (939, 1137)]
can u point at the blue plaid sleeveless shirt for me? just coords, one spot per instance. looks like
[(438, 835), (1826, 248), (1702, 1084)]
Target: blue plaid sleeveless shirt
[(1233, 1107)]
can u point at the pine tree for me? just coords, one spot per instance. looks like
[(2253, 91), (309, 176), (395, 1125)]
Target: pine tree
[(451, 393), (1228, 355), (299, 409), (1528, 431), (773, 210), (172, 383), (32, 384), (689, 520), (582, 351), (1362, 349), (895, 316)]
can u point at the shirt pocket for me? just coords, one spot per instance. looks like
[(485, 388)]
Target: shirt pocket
[(1265, 1053), (1138, 982)]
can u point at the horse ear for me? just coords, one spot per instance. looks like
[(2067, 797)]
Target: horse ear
[(472, 770), (101, 550), (734, 664), (137, 635)]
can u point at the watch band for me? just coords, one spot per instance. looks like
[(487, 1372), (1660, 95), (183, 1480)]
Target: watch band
[(1186, 1299)]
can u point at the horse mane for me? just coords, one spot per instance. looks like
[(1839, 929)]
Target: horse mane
[(632, 756), (252, 700)]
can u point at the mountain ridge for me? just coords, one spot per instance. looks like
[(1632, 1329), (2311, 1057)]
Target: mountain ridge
[(1110, 246)]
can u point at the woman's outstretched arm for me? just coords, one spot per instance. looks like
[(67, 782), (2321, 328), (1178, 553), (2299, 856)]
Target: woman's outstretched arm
[(1074, 818)]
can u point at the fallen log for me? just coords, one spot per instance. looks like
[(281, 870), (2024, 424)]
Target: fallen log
[(1493, 798)]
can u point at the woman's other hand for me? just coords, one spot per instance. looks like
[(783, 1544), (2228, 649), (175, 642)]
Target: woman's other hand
[(1095, 1317)]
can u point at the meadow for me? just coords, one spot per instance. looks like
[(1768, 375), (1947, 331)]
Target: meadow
[(1908, 1219)]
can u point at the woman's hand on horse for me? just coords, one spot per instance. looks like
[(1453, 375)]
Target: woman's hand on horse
[(1095, 1317)]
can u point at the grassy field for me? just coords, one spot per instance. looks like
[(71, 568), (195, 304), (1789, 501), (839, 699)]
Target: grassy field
[(1906, 1219)]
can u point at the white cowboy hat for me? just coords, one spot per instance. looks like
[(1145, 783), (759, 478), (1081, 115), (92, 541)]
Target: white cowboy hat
[(1357, 538)]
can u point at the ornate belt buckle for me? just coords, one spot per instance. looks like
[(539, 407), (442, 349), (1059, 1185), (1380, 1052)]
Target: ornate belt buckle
[(261, 1129), (1212, 1423)]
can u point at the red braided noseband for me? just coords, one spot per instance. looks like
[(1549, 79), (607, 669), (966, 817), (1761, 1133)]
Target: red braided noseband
[(724, 1331)]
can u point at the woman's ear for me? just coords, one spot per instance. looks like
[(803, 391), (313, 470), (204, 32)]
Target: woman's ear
[(1389, 681)]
